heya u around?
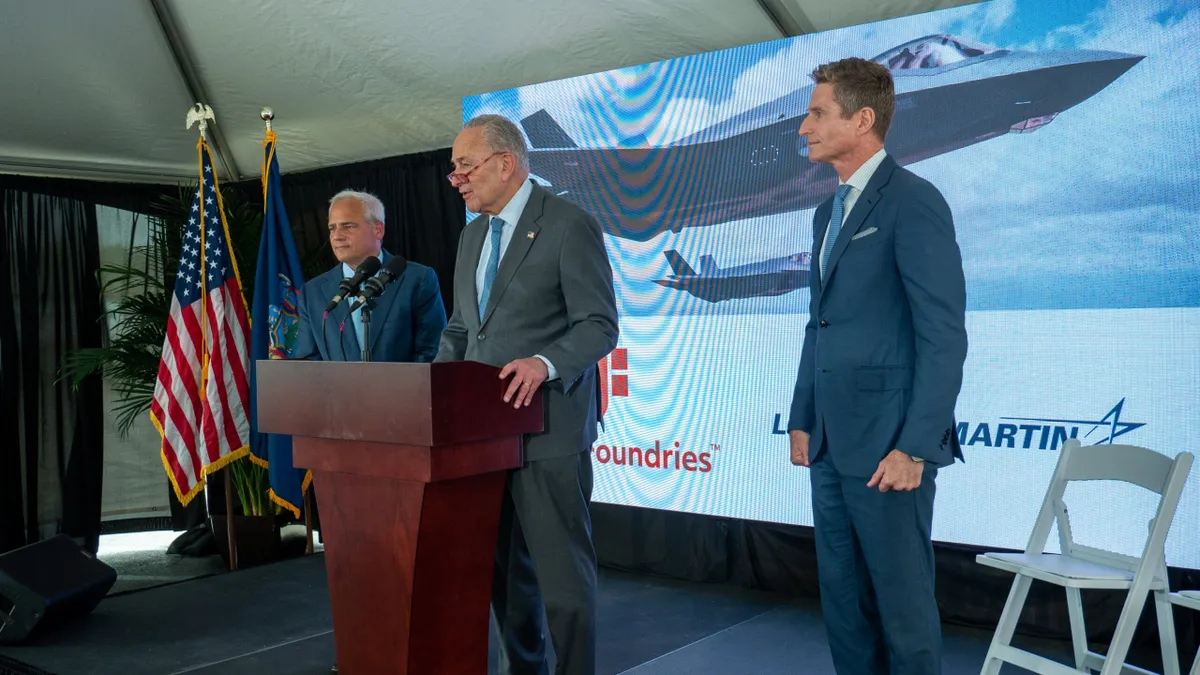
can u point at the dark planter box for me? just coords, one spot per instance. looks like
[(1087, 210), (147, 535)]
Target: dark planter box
[(256, 537)]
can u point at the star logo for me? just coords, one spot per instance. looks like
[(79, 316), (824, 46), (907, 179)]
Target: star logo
[(1106, 429)]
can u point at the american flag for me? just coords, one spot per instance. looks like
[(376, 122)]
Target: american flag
[(201, 396)]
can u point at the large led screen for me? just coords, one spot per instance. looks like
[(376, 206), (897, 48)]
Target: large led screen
[(1065, 137)]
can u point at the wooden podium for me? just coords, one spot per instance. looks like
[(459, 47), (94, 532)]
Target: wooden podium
[(409, 462)]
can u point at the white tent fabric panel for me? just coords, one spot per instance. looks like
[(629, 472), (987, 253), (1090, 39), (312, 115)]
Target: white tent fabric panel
[(90, 89), (387, 78), (101, 89)]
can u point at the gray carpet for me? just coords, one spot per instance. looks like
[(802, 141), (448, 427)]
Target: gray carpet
[(275, 618), (791, 639), (141, 559), (178, 627), (140, 570)]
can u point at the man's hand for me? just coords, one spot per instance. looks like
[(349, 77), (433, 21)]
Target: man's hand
[(897, 471), (799, 447), (528, 374)]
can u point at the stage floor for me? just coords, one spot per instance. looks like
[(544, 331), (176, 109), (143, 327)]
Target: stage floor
[(275, 619)]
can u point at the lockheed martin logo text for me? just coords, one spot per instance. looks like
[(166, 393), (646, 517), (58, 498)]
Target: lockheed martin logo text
[(1046, 433), (1042, 433)]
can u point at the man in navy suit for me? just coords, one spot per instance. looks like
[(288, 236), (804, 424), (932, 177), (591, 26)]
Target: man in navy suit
[(407, 322), (873, 410)]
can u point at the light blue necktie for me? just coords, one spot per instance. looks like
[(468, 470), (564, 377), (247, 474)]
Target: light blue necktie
[(356, 316), (835, 226), (489, 273)]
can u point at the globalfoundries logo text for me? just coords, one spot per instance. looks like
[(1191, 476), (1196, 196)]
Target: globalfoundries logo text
[(673, 457), (614, 381)]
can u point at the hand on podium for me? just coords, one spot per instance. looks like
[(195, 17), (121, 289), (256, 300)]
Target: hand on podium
[(528, 374)]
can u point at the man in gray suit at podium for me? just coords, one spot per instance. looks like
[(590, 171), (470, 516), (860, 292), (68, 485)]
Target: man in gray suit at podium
[(533, 295)]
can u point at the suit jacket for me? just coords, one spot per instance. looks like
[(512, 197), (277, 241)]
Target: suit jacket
[(405, 325), (886, 338), (552, 295)]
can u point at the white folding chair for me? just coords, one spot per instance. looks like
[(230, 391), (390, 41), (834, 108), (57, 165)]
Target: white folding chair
[(1191, 600), (1078, 566)]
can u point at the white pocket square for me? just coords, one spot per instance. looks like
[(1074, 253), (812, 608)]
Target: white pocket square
[(866, 232)]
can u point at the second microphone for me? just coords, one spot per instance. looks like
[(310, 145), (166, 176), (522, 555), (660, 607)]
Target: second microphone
[(374, 286)]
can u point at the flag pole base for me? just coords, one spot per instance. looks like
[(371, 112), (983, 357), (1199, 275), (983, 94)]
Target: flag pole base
[(308, 529), (233, 564)]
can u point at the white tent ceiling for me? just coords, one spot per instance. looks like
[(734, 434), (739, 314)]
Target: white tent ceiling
[(100, 89)]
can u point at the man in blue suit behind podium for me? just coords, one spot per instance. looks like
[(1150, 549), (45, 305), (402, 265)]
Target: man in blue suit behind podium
[(407, 322), (873, 409)]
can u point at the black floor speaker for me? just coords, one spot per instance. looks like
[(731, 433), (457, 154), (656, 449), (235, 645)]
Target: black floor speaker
[(46, 584)]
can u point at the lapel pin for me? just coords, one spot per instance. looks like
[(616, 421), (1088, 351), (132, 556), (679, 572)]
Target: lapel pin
[(530, 234)]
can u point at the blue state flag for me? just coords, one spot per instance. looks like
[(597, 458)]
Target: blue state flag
[(274, 322)]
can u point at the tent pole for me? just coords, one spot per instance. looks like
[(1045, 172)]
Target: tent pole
[(787, 17), (191, 79)]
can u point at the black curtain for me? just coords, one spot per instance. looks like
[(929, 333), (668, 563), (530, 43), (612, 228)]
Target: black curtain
[(51, 460), (424, 214), (134, 197), (126, 196)]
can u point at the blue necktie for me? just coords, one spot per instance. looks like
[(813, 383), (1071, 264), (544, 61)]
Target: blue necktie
[(489, 273), (835, 226)]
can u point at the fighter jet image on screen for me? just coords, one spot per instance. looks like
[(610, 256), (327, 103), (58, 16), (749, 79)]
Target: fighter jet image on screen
[(713, 284), (950, 94)]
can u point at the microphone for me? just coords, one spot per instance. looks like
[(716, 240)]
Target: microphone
[(367, 268), (375, 285)]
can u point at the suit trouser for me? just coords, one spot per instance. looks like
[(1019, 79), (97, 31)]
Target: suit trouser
[(876, 573), (545, 559)]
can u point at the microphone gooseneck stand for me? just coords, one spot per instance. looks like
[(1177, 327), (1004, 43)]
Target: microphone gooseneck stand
[(366, 323)]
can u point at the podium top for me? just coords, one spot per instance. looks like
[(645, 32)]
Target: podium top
[(424, 404)]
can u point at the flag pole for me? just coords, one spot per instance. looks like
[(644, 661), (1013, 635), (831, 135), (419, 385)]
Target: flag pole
[(267, 115), (308, 519), (233, 554), (201, 114)]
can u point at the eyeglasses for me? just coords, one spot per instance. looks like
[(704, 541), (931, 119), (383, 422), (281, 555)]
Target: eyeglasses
[(457, 178)]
